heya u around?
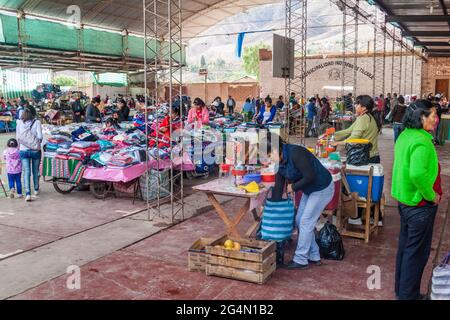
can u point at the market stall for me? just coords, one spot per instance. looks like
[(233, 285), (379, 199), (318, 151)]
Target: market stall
[(104, 158)]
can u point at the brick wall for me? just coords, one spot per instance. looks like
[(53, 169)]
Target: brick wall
[(435, 69), (239, 91), (330, 74)]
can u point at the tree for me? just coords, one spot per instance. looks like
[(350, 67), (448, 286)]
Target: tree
[(65, 81), (251, 59), (203, 62)]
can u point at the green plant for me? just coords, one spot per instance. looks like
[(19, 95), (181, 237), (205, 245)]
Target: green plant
[(251, 59), (65, 81)]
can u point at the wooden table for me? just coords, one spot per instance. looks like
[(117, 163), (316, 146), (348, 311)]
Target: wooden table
[(253, 203)]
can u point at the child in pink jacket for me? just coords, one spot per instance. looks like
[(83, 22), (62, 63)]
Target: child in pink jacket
[(13, 168)]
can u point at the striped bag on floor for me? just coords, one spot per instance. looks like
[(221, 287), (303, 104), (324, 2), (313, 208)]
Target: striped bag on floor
[(278, 220), (440, 289)]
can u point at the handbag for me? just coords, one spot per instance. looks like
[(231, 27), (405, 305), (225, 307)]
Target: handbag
[(278, 220), (440, 289), (28, 139)]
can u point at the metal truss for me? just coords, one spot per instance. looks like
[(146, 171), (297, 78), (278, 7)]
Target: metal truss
[(397, 63), (364, 16), (163, 63), (350, 29), (413, 72), (297, 29), (379, 53)]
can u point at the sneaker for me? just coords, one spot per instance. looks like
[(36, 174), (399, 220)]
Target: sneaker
[(20, 196), (12, 194), (297, 266), (315, 263), (355, 222), (36, 193), (380, 224), (28, 199)]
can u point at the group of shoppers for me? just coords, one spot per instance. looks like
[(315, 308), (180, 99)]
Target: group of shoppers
[(415, 185), (23, 155)]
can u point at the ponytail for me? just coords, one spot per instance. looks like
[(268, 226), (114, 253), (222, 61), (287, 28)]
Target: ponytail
[(369, 104)]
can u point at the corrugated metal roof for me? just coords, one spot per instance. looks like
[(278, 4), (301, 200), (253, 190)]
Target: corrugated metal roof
[(429, 28), (198, 15)]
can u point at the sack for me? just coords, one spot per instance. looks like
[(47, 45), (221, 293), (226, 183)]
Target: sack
[(28, 139), (278, 220), (440, 289), (330, 243), (358, 154), (150, 190)]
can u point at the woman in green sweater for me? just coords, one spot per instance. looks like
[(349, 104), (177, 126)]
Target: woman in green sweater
[(416, 186), (366, 126)]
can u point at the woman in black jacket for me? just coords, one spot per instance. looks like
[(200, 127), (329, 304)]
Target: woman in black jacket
[(304, 173), (124, 111)]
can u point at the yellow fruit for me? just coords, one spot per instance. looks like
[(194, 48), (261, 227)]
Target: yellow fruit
[(229, 244), (237, 246)]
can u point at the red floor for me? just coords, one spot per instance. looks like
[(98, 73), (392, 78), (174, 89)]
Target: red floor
[(156, 268)]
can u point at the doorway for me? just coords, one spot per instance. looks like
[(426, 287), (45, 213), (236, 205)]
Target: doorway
[(442, 86)]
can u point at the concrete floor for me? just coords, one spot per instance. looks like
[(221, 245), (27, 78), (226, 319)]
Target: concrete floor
[(122, 256)]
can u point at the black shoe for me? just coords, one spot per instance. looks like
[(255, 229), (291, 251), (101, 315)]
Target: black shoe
[(297, 266), (315, 263)]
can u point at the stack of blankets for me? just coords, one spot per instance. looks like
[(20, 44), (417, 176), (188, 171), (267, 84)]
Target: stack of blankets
[(80, 150)]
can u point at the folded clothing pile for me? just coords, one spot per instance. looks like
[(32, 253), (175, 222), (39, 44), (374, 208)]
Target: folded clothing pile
[(162, 153), (115, 158), (82, 134), (105, 145), (84, 149), (56, 142)]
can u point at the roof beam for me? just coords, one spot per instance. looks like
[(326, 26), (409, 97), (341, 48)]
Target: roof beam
[(444, 9), (439, 51), (416, 18), (383, 7), (428, 34), (433, 44)]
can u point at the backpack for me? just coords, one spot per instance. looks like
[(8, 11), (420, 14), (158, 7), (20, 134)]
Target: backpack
[(28, 139)]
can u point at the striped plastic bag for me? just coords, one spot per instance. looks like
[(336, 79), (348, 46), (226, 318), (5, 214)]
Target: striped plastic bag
[(440, 288), (278, 220)]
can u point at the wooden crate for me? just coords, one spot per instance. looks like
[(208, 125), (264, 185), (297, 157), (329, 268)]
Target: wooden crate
[(197, 255), (254, 263)]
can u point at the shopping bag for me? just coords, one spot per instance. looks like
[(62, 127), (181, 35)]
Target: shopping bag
[(358, 154), (440, 289), (389, 116), (278, 220), (330, 243)]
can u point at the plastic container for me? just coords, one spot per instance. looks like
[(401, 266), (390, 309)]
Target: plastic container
[(225, 174), (268, 177), (249, 178), (337, 179), (360, 184), (334, 203)]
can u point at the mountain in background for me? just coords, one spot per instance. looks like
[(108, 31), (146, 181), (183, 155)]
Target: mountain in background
[(218, 44)]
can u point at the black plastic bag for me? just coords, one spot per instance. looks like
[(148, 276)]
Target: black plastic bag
[(330, 243), (358, 154)]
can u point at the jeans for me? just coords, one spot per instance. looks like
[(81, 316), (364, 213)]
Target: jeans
[(311, 207), (230, 109), (309, 128), (416, 233), (31, 161), (398, 128), (15, 182)]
